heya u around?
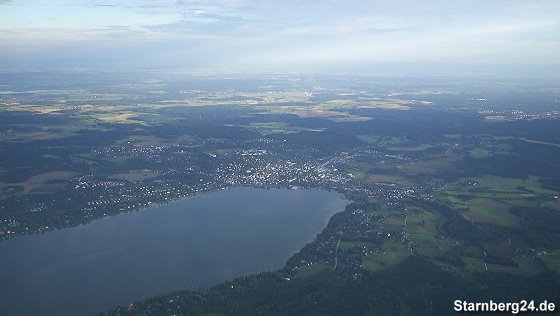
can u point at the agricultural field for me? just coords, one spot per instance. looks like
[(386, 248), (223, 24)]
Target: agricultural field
[(488, 198)]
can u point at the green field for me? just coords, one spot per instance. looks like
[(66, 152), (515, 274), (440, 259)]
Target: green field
[(383, 141), (478, 153), (551, 261), (421, 230), (513, 185), (312, 269), (267, 128), (529, 265), (487, 199), (491, 211), (395, 252), (473, 264)]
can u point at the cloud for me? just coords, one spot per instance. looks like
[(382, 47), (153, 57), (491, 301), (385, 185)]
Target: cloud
[(210, 2), (294, 31)]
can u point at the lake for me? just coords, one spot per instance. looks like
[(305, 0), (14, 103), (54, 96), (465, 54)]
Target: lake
[(191, 243)]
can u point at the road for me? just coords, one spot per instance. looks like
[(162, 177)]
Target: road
[(336, 255)]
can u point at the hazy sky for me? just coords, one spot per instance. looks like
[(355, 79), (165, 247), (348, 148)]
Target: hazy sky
[(270, 34)]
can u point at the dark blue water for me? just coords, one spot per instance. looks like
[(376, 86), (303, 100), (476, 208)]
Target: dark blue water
[(192, 243)]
